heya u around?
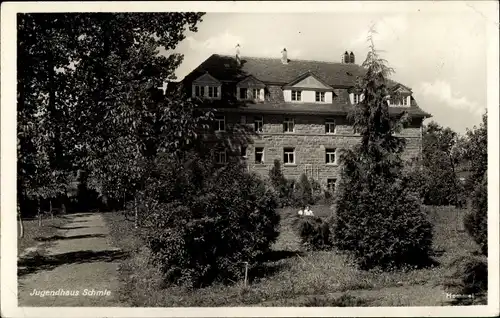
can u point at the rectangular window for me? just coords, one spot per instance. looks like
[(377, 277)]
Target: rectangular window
[(297, 96), (243, 151), (356, 98), (289, 155), (330, 126), (288, 125), (259, 155), (243, 93), (320, 96), (330, 156), (220, 123), (405, 101), (213, 91), (330, 184), (199, 91), (258, 123), (221, 157), (256, 93)]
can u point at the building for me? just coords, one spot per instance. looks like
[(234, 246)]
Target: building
[(291, 110)]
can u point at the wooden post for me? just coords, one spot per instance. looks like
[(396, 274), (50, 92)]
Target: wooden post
[(246, 273), (136, 214), (50, 210), (39, 213)]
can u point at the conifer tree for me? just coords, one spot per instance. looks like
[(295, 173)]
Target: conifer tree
[(379, 219)]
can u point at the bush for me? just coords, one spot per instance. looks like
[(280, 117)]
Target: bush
[(476, 223), (282, 186), (205, 224), (382, 224), (303, 193), (314, 232), (469, 276)]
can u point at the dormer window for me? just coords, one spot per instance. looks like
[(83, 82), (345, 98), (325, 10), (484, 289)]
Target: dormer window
[(213, 91), (356, 98), (401, 101), (320, 97), (199, 91), (207, 86), (255, 93), (250, 89), (296, 96), (243, 93)]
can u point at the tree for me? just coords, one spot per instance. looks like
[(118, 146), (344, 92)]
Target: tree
[(439, 161), (476, 223), (43, 150), (378, 218), (94, 74)]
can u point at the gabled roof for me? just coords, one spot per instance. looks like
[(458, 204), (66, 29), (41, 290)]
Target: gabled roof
[(400, 86), (269, 70), (206, 79), (307, 75), (251, 81)]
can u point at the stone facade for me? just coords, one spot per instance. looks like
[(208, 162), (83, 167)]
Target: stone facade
[(309, 141)]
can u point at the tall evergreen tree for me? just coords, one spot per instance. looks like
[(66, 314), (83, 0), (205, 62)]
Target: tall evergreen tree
[(378, 218)]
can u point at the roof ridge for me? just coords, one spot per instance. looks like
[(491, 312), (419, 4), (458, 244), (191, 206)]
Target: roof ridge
[(277, 58)]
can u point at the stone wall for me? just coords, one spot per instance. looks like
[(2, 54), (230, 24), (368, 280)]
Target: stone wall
[(309, 141)]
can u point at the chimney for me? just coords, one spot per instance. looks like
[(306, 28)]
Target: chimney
[(238, 57), (284, 57), (351, 58), (346, 58)]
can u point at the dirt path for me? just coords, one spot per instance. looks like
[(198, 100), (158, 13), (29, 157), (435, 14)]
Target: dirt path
[(79, 267)]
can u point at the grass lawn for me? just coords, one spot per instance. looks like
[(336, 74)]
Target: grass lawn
[(32, 231), (294, 277)]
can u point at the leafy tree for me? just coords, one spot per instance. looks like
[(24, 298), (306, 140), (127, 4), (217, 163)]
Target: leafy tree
[(439, 161), (379, 219), (476, 223), (95, 74), (475, 153)]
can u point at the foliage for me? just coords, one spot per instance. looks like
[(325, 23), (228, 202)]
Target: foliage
[(469, 276), (206, 222), (476, 222), (476, 154), (378, 218), (439, 161), (303, 192), (283, 187), (314, 232), (85, 83)]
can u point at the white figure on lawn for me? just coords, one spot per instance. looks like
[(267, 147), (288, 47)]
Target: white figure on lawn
[(307, 211)]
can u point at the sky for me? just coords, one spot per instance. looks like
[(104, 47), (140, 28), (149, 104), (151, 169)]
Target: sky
[(441, 56)]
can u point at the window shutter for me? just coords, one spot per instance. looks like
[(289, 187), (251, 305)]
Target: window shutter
[(261, 97), (361, 97), (193, 93)]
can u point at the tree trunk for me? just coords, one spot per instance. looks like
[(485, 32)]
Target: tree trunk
[(39, 213), (21, 225)]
